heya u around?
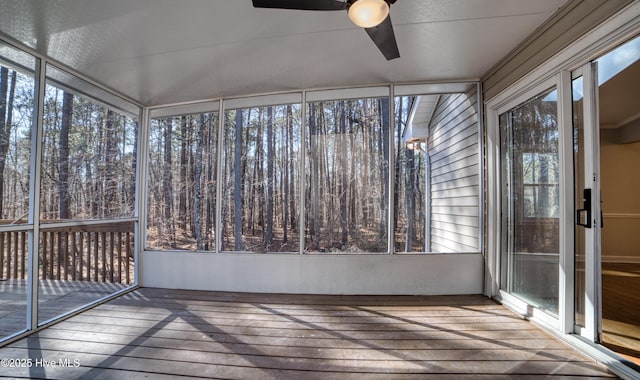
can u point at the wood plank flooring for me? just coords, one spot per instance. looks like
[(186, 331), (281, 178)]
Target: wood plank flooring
[(158, 333), (54, 297), (621, 309)]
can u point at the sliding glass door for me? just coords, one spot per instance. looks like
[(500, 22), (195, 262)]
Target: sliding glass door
[(563, 211)]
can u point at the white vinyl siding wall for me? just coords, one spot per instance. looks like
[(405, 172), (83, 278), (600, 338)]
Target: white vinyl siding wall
[(453, 147)]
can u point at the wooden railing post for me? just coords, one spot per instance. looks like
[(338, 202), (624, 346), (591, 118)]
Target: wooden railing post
[(95, 252), (65, 255), (111, 249), (2, 257), (103, 252), (23, 250), (81, 251), (16, 259), (89, 256), (129, 256), (120, 257), (51, 254), (58, 257), (73, 256), (43, 255), (9, 255)]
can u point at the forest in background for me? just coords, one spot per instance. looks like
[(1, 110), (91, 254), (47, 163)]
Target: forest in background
[(88, 155), (16, 112), (344, 183), (89, 163), (88, 159)]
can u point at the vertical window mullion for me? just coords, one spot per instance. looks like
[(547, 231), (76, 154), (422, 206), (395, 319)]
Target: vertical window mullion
[(34, 199), (392, 175), (301, 172)]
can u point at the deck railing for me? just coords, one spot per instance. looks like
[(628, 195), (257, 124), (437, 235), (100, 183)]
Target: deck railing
[(96, 252)]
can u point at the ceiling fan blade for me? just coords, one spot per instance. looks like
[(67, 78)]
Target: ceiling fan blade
[(307, 5), (384, 38)]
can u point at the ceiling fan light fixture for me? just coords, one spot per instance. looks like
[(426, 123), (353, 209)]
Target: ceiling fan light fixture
[(368, 13)]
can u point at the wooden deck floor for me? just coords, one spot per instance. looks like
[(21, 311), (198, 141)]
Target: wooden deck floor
[(156, 333), (621, 309), (55, 298)]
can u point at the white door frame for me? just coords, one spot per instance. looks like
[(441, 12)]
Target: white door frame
[(592, 330)]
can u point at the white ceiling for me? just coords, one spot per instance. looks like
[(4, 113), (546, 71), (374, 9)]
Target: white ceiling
[(166, 51)]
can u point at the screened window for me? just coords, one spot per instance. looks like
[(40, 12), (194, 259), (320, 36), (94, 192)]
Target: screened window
[(182, 182), (437, 172), (347, 174), (88, 158), (88, 181), (87, 178), (17, 89), (17, 99), (261, 197), (330, 177), (411, 198)]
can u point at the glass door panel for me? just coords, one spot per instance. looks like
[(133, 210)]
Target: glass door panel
[(618, 87), (530, 204), (607, 236), (578, 151)]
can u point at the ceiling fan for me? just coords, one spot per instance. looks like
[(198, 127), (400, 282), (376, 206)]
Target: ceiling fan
[(372, 15)]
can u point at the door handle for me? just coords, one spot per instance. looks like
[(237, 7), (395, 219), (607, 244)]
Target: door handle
[(583, 215)]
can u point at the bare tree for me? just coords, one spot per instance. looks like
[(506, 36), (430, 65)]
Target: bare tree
[(237, 191), (6, 114), (63, 161), (167, 182), (384, 146), (197, 184), (183, 185), (270, 180)]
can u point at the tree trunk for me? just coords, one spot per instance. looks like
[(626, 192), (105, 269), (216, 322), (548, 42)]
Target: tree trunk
[(251, 225), (285, 181), (134, 165), (342, 187), (270, 180), (356, 151), (314, 194), (197, 185), (63, 161), (97, 180), (292, 178), (111, 165), (260, 197), (368, 208), (398, 173), (182, 191), (167, 183), (6, 119), (384, 117), (211, 182), (237, 190)]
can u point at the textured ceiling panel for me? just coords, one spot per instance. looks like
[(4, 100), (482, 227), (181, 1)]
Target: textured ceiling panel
[(165, 51)]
